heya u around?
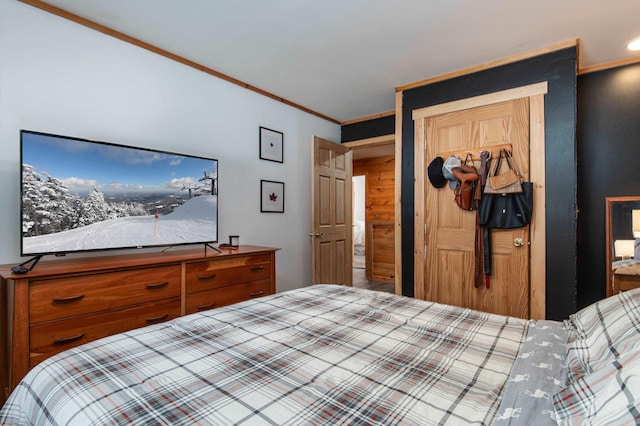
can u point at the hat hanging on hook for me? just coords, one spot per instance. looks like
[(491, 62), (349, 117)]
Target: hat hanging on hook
[(451, 163), (434, 171)]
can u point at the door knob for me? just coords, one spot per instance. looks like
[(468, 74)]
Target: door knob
[(518, 242), (316, 234)]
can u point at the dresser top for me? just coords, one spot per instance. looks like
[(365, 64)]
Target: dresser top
[(130, 260)]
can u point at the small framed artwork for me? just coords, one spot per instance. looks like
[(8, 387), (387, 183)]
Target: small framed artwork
[(271, 196), (271, 145)]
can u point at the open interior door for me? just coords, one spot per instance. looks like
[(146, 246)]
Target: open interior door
[(331, 214)]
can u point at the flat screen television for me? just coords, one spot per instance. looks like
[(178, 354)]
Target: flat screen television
[(79, 195)]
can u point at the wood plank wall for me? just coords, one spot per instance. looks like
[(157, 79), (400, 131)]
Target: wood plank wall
[(379, 215), (380, 180)]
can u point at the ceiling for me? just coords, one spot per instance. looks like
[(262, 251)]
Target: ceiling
[(344, 58)]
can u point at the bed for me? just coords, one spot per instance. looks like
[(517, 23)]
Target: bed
[(328, 354)]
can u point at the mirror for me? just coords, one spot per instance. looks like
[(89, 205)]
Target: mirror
[(622, 239)]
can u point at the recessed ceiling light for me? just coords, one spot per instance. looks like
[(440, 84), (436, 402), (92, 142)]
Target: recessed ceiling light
[(634, 44)]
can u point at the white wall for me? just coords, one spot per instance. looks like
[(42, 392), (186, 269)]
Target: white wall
[(62, 78)]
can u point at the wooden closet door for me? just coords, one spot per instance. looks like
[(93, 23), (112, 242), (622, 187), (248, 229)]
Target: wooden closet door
[(450, 231)]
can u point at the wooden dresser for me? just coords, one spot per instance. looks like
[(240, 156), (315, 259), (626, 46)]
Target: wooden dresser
[(64, 303)]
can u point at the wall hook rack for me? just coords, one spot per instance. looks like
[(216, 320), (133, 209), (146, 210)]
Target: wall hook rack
[(475, 153)]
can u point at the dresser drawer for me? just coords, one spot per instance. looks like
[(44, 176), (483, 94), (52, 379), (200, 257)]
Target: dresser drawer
[(218, 297), (70, 296), (49, 338), (214, 274)]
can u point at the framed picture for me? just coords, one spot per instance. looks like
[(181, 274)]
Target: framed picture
[(271, 196), (271, 145)]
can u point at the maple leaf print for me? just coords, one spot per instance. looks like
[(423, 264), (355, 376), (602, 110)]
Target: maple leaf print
[(273, 197)]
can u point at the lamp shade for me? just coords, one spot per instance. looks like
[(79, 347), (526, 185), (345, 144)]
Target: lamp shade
[(624, 248)]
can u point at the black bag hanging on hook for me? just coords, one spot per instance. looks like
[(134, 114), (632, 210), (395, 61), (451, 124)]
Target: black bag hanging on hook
[(507, 211)]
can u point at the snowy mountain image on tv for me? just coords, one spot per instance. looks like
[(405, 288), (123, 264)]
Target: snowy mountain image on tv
[(80, 195)]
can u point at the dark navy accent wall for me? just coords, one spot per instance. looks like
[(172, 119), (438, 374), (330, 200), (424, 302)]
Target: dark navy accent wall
[(369, 129), (608, 164), (559, 69)]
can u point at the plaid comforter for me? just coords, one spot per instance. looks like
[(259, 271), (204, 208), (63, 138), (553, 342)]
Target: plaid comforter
[(318, 355)]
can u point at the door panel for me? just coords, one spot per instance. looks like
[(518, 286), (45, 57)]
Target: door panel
[(331, 213), (324, 207), (450, 231)]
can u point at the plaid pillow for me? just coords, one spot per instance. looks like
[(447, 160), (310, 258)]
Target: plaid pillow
[(610, 395), (603, 330)]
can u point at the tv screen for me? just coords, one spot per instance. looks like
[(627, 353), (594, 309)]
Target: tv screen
[(80, 195)]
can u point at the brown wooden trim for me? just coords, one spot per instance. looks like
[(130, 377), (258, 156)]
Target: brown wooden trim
[(139, 43), (608, 65), (578, 54), (398, 195), (419, 200), (493, 64), (608, 249), (538, 235), (368, 117), (4, 341), (611, 290), (371, 142), (482, 100)]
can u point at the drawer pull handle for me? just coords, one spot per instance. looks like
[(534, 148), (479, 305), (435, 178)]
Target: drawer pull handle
[(67, 299), (156, 319), (207, 277), (65, 340), (256, 294), (257, 268), (209, 306), (158, 285)]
